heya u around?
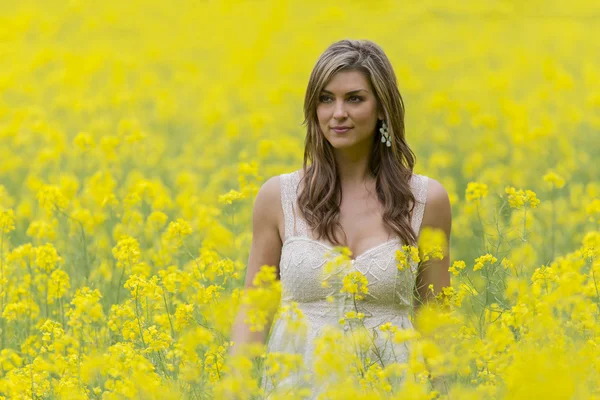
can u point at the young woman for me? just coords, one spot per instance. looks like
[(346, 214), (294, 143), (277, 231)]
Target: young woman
[(356, 189)]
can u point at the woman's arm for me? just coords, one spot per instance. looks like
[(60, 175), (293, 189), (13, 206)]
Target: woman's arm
[(265, 250), (437, 215)]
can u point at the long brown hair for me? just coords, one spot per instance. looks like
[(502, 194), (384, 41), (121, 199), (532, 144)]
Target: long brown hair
[(320, 198)]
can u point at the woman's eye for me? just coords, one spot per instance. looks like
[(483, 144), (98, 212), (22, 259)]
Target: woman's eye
[(354, 99)]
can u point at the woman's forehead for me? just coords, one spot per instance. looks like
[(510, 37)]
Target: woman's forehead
[(346, 81)]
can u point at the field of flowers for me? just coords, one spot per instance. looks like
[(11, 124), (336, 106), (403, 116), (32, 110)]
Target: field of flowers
[(134, 136)]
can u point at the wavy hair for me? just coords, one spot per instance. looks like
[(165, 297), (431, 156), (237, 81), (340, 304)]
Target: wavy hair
[(392, 167)]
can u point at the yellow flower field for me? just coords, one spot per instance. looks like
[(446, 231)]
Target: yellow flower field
[(134, 136)]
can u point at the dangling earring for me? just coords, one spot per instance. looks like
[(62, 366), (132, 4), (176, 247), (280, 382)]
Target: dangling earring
[(385, 136)]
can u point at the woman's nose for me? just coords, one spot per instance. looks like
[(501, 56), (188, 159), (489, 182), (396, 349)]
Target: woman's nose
[(340, 110)]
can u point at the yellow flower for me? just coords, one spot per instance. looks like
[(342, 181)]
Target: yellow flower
[(58, 285), (353, 315), (591, 245), (593, 210), (85, 308), (171, 278), (51, 198), (141, 287), (183, 316), (507, 264), (404, 335), (7, 221), (457, 267), (41, 229), (262, 298), (476, 191), (401, 260), (408, 254), (554, 180), (355, 284), (156, 221), (178, 229), (230, 197), (519, 199), (15, 311), (432, 241), (388, 330), (265, 276), (156, 340), (481, 261), (84, 141), (127, 251), (46, 258), (388, 327)]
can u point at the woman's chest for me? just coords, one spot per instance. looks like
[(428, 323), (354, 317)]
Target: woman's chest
[(305, 278), (361, 227)]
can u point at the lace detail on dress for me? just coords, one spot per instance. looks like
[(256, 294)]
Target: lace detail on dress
[(301, 228), (287, 204)]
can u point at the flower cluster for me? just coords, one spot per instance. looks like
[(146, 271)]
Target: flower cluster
[(355, 284), (126, 228), (520, 198)]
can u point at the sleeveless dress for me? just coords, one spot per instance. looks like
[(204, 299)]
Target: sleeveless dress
[(301, 273)]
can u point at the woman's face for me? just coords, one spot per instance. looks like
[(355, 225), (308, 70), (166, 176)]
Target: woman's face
[(348, 100)]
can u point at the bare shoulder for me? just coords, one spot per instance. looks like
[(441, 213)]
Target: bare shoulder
[(438, 212), (266, 240), (267, 204), (270, 189)]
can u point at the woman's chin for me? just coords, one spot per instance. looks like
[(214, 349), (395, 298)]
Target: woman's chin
[(347, 142)]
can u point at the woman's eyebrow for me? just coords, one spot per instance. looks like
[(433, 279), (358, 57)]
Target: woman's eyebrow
[(351, 92)]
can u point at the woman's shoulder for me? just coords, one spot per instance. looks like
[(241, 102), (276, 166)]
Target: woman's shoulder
[(295, 173), (274, 186), (269, 190), (419, 180)]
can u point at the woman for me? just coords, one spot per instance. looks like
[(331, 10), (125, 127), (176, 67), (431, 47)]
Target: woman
[(356, 184)]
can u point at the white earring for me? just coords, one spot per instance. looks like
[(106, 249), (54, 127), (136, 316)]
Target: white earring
[(385, 136)]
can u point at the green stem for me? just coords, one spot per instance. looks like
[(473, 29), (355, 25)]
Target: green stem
[(525, 224), (168, 314), (137, 315), (552, 226)]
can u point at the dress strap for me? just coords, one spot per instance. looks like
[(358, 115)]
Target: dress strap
[(286, 204), (419, 187), (294, 224)]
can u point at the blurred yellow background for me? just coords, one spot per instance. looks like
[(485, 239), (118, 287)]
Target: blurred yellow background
[(160, 120)]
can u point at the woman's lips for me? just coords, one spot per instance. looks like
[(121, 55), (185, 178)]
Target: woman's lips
[(341, 130)]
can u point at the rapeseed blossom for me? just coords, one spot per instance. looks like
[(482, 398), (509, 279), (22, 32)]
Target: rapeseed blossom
[(457, 267), (47, 258), (125, 226), (407, 255), (52, 199), (476, 191), (127, 251), (520, 198), (480, 262), (7, 220), (554, 180), (355, 284), (230, 197)]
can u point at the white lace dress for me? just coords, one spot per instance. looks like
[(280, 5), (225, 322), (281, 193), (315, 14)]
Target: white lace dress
[(301, 271)]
